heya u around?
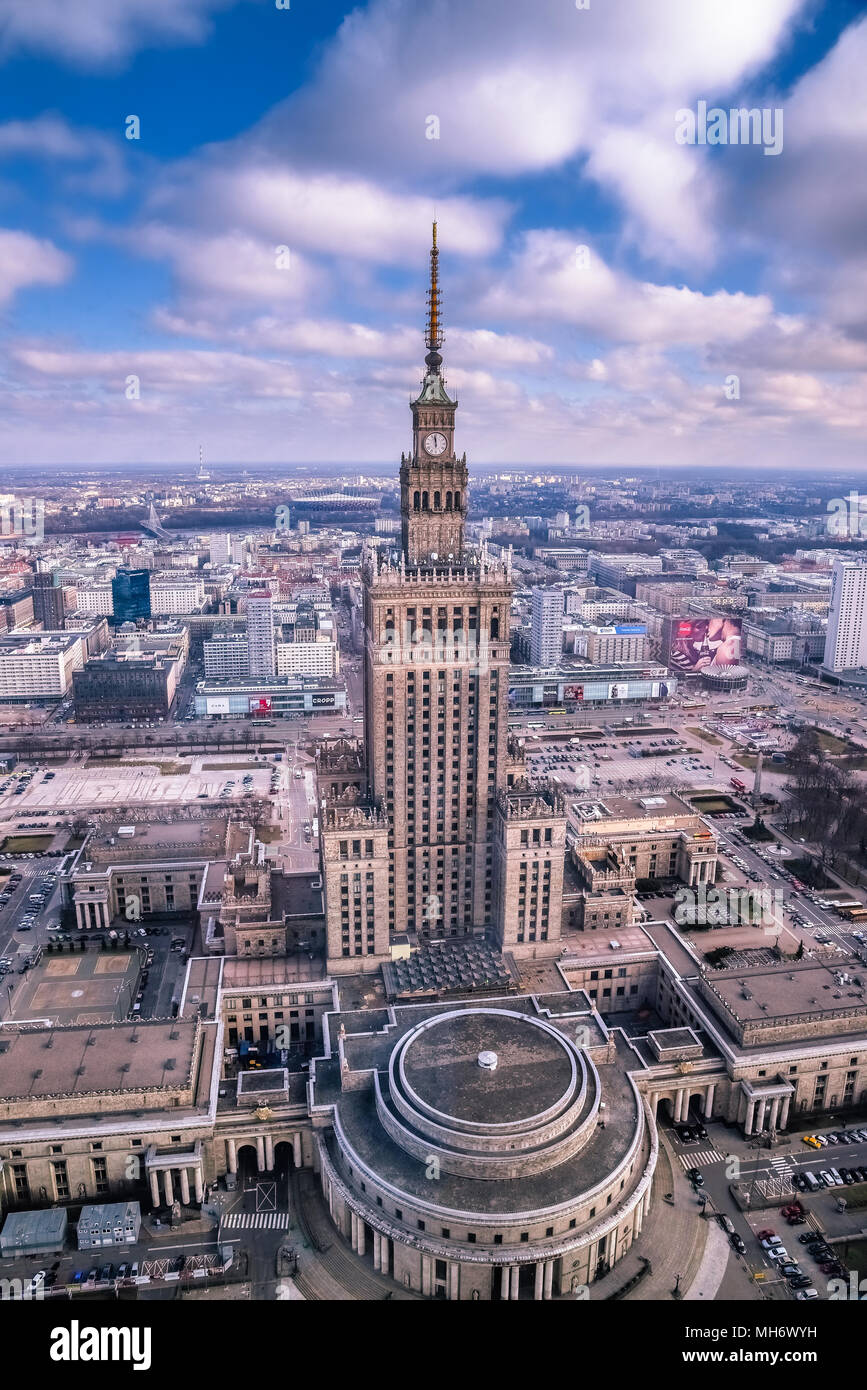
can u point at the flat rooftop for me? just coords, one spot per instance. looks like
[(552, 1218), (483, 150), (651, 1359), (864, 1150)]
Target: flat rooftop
[(609, 810), (533, 1070), (804, 988), (160, 839), (49, 1062)]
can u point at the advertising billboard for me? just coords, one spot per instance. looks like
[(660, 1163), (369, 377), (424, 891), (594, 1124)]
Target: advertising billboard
[(697, 643), (619, 691), (573, 692), (630, 629), (217, 704), (260, 704)]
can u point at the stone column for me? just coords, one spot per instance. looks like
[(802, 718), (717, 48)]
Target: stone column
[(167, 1181), (233, 1155), (549, 1279), (199, 1186), (426, 1271), (79, 915), (361, 1236), (784, 1113), (377, 1259), (155, 1187), (678, 1108), (296, 1150), (540, 1276), (185, 1187), (513, 1282), (260, 1154), (750, 1117), (504, 1282), (639, 1218), (760, 1117), (269, 1153), (611, 1248), (454, 1287), (708, 1101), (775, 1112)]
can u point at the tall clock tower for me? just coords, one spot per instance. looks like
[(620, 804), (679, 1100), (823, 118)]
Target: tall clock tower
[(433, 481), (415, 859)]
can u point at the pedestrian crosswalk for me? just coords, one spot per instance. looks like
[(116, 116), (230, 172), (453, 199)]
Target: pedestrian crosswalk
[(258, 1220), (702, 1158), (782, 1166)]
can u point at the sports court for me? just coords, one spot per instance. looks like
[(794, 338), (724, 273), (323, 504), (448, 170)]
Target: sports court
[(83, 987)]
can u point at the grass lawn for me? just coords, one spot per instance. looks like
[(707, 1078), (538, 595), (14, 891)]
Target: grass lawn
[(705, 734), (26, 844), (231, 767), (830, 743)]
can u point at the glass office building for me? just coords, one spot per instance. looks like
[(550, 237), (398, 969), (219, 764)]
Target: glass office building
[(131, 595)]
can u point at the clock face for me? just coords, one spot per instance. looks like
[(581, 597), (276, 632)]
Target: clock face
[(436, 444)]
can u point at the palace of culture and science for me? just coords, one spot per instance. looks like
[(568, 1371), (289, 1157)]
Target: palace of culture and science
[(436, 620), (469, 1024)]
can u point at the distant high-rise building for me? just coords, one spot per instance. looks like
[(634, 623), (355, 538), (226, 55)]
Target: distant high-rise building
[(131, 595), (260, 634), (546, 633), (48, 606), (220, 548), (846, 642)]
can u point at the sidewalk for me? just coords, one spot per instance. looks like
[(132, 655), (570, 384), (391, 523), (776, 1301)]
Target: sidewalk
[(673, 1238)]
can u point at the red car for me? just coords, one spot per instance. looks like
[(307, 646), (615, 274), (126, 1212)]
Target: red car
[(765, 1235)]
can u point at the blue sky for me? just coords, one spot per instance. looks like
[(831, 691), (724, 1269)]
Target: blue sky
[(602, 281)]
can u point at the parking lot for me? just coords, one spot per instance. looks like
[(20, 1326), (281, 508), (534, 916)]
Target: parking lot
[(618, 763), (162, 781)]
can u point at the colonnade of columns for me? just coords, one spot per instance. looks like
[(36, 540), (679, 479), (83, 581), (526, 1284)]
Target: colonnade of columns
[(92, 914), (766, 1112), (183, 1171)]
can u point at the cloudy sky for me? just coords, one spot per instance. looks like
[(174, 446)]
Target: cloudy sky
[(249, 272)]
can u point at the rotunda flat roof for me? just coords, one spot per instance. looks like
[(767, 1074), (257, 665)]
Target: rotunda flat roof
[(534, 1070)]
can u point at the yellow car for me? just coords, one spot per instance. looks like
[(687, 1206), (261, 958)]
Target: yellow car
[(812, 1141)]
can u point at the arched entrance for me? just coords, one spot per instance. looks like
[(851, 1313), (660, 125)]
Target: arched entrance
[(248, 1164), (284, 1163)]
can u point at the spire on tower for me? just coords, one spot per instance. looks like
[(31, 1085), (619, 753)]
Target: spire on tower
[(434, 335)]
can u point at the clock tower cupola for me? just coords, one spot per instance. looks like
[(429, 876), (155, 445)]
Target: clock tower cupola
[(433, 481)]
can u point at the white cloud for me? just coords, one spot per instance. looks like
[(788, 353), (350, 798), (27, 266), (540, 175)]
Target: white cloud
[(550, 279), (223, 270), (530, 87), (92, 33), (26, 260), (327, 213), (93, 159)]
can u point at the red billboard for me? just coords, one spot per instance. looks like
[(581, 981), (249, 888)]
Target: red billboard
[(260, 704), (573, 692), (698, 643)]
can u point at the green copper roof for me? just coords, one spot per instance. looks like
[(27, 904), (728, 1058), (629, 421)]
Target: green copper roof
[(433, 391)]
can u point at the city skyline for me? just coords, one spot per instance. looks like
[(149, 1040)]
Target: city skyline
[(609, 282)]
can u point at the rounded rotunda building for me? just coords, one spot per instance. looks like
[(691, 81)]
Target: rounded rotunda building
[(494, 1151)]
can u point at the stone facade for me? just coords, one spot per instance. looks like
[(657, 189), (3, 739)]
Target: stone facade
[(355, 866), (529, 845)]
